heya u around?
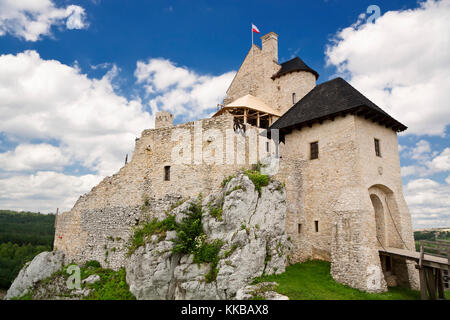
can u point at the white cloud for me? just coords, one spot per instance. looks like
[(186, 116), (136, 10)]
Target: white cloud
[(441, 162), (48, 101), (427, 162), (181, 91), (421, 150), (33, 157), (401, 62), (44, 191), (32, 19), (414, 170), (82, 123), (429, 203)]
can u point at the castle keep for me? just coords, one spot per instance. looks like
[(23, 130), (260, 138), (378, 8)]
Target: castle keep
[(335, 151)]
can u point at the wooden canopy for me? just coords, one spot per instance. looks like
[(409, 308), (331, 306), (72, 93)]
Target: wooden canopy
[(252, 110)]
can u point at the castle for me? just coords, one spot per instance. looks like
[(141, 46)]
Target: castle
[(334, 150)]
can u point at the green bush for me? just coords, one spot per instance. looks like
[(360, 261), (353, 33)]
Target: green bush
[(190, 228), (258, 179), (226, 180), (209, 253), (216, 212), (150, 228), (112, 286), (92, 264)]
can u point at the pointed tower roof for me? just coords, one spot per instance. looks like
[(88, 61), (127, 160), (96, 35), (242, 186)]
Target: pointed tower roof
[(293, 65), (331, 99)]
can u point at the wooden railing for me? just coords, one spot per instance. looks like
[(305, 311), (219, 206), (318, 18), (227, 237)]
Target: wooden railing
[(441, 249), (438, 248)]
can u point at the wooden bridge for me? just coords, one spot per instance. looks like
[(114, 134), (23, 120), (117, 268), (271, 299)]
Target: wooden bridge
[(433, 262)]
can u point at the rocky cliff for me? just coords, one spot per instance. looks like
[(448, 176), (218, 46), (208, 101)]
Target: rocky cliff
[(209, 247)]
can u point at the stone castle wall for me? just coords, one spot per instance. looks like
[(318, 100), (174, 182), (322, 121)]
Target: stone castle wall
[(335, 191), (355, 197), (101, 222)]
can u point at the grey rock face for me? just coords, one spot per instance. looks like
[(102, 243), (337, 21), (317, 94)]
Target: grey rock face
[(92, 279), (252, 228), (42, 266), (262, 290)]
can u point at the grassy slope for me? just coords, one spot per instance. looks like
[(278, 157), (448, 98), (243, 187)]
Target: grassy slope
[(311, 280)]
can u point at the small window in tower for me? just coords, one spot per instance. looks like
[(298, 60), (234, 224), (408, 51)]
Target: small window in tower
[(316, 224), (167, 173), (267, 146), (377, 148), (299, 228), (314, 150), (294, 98)]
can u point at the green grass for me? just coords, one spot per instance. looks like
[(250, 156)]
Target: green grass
[(311, 280), (112, 285), (258, 179)]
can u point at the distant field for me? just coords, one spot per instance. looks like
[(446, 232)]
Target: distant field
[(430, 235), (23, 235)]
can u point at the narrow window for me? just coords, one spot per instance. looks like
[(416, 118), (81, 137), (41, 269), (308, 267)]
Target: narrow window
[(167, 173), (293, 98), (299, 228), (267, 146), (377, 147), (314, 150), (316, 224)]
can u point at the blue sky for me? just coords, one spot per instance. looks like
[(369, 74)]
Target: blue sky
[(121, 52)]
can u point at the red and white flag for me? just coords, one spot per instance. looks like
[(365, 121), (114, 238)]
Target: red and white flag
[(254, 28)]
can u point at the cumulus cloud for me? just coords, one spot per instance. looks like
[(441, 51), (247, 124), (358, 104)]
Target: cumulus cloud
[(429, 203), (179, 90), (441, 162), (44, 191), (81, 123), (33, 157), (401, 62), (32, 19), (427, 162), (78, 121), (50, 100)]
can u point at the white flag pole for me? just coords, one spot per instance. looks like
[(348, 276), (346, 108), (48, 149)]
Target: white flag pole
[(251, 28), (251, 75)]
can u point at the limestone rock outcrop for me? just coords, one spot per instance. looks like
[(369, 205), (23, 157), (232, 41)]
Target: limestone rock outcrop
[(264, 290), (41, 267), (252, 229), (247, 221)]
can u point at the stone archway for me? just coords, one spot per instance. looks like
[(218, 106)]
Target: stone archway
[(380, 222)]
